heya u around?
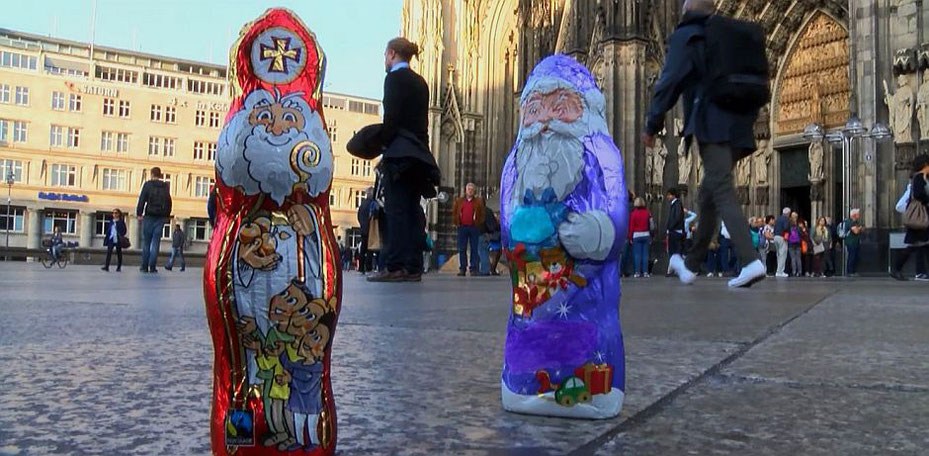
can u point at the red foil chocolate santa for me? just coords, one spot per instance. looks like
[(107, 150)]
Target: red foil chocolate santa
[(272, 284)]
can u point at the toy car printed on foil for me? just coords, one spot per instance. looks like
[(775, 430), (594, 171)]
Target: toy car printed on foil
[(272, 283), (563, 218)]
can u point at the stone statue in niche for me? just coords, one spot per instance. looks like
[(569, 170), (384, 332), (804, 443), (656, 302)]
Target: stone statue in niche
[(816, 162), (762, 160), (922, 107), (656, 161), (900, 104), (685, 158), (743, 178)]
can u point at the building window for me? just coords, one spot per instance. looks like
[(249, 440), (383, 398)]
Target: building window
[(334, 103), (74, 137), (214, 120), (168, 147), (74, 102), (109, 107), (161, 81), (202, 186), (19, 131), (107, 140), (122, 142), (58, 101), (14, 222), (22, 96), (64, 175), (371, 108), (354, 237), (100, 221), (332, 198), (56, 136), (366, 168), (198, 229), (359, 198), (204, 87), (200, 118), (170, 114), (114, 179), (355, 106), (154, 146), (66, 221), (204, 150), (167, 177), (17, 60), (166, 230), (7, 166), (356, 167), (117, 74), (156, 113), (4, 130), (333, 133), (64, 136), (4, 93), (124, 108)]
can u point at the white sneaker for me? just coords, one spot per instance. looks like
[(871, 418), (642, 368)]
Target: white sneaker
[(637, 275), (646, 275), (750, 274), (782, 274), (686, 275), (709, 274)]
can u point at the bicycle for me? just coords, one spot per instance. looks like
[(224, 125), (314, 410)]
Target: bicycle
[(49, 260)]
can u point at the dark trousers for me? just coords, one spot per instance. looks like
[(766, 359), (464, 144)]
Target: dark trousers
[(406, 225), (851, 263), (675, 243), (468, 235), (716, 199), (904, 255), (364, 264), (109, 254)]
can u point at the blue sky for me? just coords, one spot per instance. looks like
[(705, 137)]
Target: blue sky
[(353, 33)]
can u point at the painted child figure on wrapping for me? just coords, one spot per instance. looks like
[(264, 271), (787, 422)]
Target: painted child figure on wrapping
[(563, 217)]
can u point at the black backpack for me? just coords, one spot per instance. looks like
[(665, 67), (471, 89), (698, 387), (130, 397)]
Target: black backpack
[(737, 74), (159, 199)]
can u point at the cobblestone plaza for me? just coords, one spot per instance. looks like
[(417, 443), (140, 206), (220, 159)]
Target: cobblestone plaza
[(103, 364)]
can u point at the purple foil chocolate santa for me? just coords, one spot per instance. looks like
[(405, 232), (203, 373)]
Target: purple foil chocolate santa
[(563, 216)]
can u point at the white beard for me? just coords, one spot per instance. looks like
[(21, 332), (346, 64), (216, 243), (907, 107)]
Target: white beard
[(247, 160), (551, 160)]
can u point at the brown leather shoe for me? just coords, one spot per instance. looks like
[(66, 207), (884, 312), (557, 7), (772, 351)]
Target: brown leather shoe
[(396, 276), (418, 277)]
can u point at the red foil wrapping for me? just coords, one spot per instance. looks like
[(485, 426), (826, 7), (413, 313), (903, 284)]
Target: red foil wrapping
[(273, 254)]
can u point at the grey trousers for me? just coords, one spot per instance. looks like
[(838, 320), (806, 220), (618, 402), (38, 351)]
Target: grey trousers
[(781, 245), (716, 198)]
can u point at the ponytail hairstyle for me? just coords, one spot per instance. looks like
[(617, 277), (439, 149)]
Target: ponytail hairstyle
[(405, 48)]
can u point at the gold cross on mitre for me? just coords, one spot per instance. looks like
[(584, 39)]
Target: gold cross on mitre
[(279, 54)]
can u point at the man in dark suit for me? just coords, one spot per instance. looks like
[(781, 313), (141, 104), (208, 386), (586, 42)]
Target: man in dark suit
[(364, 222), (410, 172), (723, 136), (674, 225)]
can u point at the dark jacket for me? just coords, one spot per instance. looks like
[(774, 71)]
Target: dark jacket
[(491, 226), (918, 193), (675, 221), (364, 216), (406, 157), (120, 232), (178, 239), (406, 105), (145, 197), (683, 75), (781, 225)]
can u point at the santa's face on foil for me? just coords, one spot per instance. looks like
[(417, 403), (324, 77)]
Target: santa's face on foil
[(556, 119), (273, 145)]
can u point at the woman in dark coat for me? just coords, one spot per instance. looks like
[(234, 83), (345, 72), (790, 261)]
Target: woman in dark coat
[(114, 232), (917, 241)]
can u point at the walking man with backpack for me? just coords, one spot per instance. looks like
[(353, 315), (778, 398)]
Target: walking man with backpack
[(719, 66), (153, 210)]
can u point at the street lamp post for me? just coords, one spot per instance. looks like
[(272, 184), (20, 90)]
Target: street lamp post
[(9, 201), (853, 129)]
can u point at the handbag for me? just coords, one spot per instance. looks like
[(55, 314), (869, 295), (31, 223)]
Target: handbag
[(124, 242), (915, 216), (374, 234), (818, 248)]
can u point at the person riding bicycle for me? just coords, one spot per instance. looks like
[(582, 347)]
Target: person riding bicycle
[(56, 243)]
